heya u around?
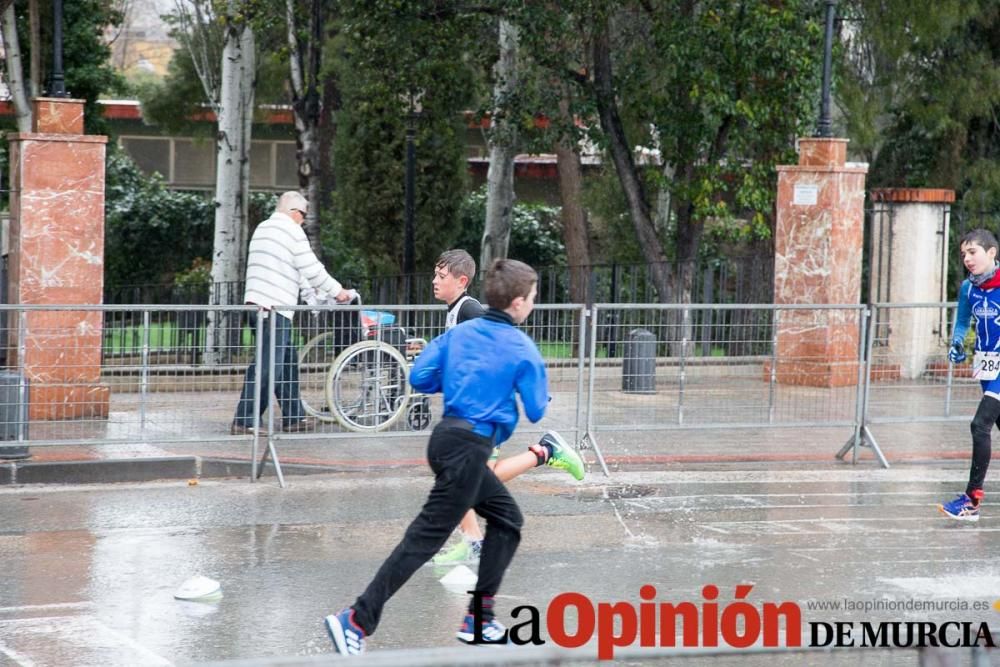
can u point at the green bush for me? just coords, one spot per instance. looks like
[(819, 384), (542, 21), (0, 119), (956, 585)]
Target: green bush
[(535, 234), (150, 231), (198, 275)]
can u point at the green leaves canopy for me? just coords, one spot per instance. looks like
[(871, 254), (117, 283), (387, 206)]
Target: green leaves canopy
[(920, 93)]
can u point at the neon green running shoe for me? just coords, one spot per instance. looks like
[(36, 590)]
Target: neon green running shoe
[(563, 456), (462, 551)]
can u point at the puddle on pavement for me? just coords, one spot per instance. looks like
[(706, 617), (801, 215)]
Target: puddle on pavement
[(615, 492)]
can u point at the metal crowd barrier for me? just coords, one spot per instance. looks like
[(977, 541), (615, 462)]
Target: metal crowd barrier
[(714, 366), (121, 375), (909, 378)]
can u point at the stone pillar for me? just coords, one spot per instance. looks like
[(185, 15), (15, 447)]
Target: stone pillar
[(818, 239), (57, 257), (909, 264)]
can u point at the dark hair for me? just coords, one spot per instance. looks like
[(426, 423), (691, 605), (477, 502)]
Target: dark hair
[(981, 237), (458, 262), (507, 279)]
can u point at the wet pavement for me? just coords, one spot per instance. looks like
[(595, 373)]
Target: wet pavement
[(90, 571)]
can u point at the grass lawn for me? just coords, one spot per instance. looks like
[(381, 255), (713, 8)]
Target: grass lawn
[(168, 336), (165, 336)]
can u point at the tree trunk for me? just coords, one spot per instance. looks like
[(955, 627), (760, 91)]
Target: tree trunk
[(628, 175), (576, 234), (35, 65), (248, 93), (15, 74), (688, 238), (232, 183), (575, 231), (503, 139), (327, 136), (304, 75)]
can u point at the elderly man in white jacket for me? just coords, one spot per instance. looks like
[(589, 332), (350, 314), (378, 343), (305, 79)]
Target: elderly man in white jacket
[(279, 261)]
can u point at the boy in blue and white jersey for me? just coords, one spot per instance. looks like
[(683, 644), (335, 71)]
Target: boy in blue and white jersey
[(479, 366), (979, 298), (453, 272)]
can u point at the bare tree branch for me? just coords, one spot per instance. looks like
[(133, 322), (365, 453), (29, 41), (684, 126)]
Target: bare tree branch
[(196, 36), (124, 7)]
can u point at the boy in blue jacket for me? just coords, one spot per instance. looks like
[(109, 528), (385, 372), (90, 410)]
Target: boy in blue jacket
[(478, 366), (978, 297)]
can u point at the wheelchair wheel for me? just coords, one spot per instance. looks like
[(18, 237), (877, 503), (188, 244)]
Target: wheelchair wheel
[(418, 414), (315, 360), (367, 388)]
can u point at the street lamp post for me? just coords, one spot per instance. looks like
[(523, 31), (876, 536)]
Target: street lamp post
[(823, 127), (409, 266), (409, 224), (57, 86)]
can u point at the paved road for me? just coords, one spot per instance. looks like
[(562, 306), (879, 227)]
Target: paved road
[(90, 570)]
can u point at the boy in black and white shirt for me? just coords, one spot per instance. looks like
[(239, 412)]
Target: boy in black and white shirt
[(453, 272)]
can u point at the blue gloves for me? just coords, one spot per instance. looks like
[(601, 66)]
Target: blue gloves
[(956, 353)]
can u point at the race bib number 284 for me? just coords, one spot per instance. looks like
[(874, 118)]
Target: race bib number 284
[(986, 365)]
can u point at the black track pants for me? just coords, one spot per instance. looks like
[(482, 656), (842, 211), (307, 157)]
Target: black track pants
[(461, 480), (987, 414)]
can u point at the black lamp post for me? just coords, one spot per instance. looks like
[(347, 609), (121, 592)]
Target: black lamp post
[(409, 212), (823, 128), (409, 261), (57, 86)]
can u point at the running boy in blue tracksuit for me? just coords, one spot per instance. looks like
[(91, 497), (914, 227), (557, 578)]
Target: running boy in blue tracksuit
[(452, 274), (478, 366), (978, 297)]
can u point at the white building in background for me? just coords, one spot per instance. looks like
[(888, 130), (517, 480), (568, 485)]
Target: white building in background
[(142, 45)]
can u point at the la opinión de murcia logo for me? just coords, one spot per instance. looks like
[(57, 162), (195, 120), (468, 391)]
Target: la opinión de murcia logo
[(572, 620), (900, 634), (650, 623)]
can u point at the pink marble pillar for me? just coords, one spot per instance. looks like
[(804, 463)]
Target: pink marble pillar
[(818, 241), (57, 257)]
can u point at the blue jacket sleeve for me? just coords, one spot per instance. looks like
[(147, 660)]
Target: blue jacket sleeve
[(425, 376), (533, 386), (964, 314)]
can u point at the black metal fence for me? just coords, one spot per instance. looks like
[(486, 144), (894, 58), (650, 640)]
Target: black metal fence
[(738, 280), (746, 279), (173, 295)]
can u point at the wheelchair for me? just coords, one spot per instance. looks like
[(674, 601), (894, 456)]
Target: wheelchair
[(364, 360)]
